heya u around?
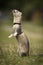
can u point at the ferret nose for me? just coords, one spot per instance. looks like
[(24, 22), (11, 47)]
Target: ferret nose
[(15, 10)]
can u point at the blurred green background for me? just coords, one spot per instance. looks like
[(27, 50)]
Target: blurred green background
[(32, 23)]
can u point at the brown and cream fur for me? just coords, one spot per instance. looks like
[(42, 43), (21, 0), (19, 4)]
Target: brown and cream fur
[(23, 46)]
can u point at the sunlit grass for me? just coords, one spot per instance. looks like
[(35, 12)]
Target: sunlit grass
[(8, 47)]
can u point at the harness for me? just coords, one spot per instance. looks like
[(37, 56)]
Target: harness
[(18, 24)]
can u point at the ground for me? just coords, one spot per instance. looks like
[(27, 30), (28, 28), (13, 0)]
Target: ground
[(8, 47)]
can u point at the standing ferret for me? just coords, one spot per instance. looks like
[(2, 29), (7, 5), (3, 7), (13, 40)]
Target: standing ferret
[(23, 46)]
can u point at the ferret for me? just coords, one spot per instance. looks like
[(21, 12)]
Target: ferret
[(23, 46)]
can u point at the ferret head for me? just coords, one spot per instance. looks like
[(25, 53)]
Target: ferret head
[(16, 13), (17, 16)]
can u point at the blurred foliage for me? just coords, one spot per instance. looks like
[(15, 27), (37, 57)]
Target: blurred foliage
[(26, 6), (8, 47)]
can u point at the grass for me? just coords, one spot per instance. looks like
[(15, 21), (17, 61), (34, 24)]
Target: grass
[(8, 47)]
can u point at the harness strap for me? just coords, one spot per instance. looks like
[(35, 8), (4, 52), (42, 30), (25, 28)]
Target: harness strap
[(16, 23), (20, 33)]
